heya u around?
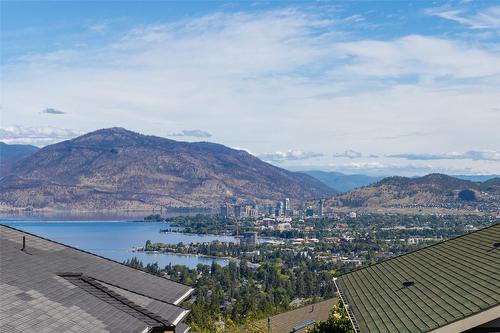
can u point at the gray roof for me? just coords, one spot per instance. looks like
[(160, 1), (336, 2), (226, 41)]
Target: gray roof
[(429, 288), (51, 287)]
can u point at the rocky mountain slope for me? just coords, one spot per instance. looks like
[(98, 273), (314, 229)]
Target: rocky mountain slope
[(119, 169), (431, 191)]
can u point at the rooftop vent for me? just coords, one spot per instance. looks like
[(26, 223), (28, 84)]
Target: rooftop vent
[(407, 284)]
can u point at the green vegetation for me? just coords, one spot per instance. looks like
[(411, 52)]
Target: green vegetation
[(266, 279), (154, 218), (467, 195), (204, 224), (239, 294), (338, 322)]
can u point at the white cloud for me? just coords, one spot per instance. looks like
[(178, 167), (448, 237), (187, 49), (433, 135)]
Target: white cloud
[(196, 133), (267, 80), (353, 154), (488, 18), (289, 155), (38, 136), (486, 155), (428, 58)]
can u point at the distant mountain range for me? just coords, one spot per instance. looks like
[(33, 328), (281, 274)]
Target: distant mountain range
[(9, 154), (119, 169), (342, 182), (431, 191), (345, 183)]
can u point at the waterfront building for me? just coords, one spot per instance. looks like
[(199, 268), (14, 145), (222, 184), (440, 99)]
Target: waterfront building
[(249, 238)]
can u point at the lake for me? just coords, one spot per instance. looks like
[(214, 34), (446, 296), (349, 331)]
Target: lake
[(115, 239)]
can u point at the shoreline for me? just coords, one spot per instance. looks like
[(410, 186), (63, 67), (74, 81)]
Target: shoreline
[(186, 254)]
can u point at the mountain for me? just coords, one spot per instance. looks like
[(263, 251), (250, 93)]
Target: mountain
[(342, 182), (119, 169), (476, 178), (9, 154), (345, 183), (431, 191)]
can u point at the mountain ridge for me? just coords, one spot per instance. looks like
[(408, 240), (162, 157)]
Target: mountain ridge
[(11, 153), (430, 191), (343, 182), (116, 168), (347, 182)]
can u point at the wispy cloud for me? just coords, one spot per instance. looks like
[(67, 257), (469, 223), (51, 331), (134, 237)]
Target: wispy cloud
[(289, 155), (353, 154), (429, 58), (38, 136), (52, 111), (488, 18), (196, 133), (486, 155), (270, 79)]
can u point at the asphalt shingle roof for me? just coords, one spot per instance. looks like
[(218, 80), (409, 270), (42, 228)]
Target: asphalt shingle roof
[(451, 281), (51, 287), (285, 322)]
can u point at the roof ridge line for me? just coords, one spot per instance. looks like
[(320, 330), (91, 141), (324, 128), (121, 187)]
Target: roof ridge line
[(422, 248), (137, 293), (93, 282), (123, 300)]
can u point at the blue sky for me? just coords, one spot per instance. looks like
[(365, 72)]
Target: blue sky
[(361, 86)]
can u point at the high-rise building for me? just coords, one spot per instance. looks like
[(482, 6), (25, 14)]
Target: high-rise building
[(249, 238), (237, 211), (250, 211), (286, 208), (279, 209), (320, 208), (224, 211)]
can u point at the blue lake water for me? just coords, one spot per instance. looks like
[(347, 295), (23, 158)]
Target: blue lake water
[(116, 239)]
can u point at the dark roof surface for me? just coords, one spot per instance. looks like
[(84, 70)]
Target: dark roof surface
[(50, 287), (445, 282), (285, 322)]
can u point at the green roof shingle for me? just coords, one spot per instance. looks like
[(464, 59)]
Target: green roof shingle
[(451, 281)]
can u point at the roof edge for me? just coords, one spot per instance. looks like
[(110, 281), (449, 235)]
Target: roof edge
[(111, 260), (422, 248), (183, 297), (471, 321), (350, 314), (123, 300)]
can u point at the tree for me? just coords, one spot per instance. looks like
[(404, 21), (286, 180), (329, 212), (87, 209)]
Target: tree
[(338, 322), (467, 195)]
